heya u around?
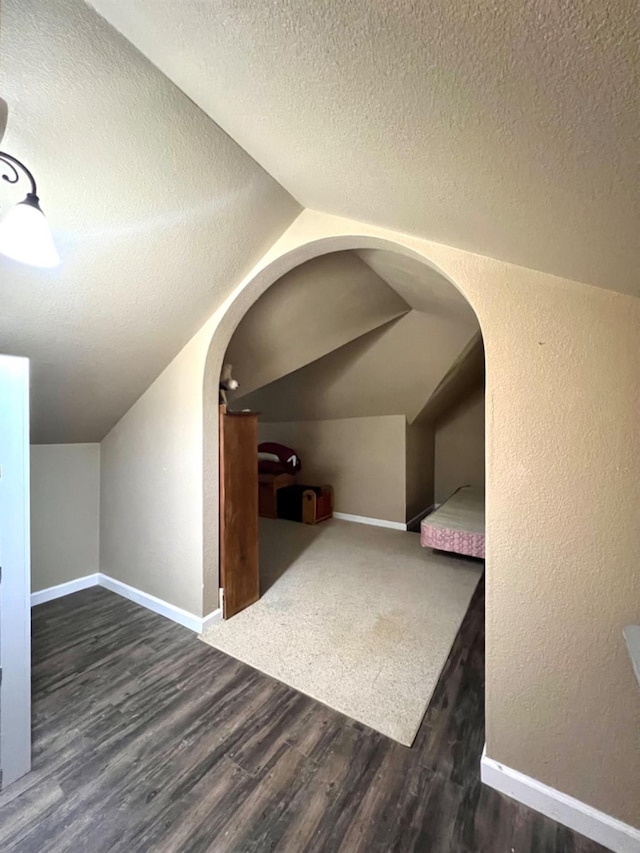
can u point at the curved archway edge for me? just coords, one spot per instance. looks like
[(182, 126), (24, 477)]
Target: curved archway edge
[(276, 263)]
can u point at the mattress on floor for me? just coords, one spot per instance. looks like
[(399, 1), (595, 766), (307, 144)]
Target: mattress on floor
[(458, 525)]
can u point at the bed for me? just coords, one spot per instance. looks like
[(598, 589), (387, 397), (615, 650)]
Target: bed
[(457, 525)]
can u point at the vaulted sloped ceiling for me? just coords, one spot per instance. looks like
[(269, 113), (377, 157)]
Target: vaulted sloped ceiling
[(316, 308), (335, 338), (509, 129), (422, 287), (156, 211), (392, 370), (464, 378)]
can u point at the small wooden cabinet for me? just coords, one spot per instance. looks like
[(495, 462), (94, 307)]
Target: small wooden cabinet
[(239, 571), (309, 504), (268, 485)]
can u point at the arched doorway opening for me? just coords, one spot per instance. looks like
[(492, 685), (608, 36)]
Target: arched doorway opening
[(422, 289)]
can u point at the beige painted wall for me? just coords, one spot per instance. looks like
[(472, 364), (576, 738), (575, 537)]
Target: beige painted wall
[(151, 488), (392, 370), (466, 375), (362, 458), (459, 447), (65, 513), (311, 311), (419, 464), (563, 363), (563, 392)]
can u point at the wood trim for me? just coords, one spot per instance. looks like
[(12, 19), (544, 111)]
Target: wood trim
[(222, 495), (239, 574)]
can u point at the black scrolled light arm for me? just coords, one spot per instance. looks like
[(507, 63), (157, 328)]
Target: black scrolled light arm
[(13, 176), (28, 241)]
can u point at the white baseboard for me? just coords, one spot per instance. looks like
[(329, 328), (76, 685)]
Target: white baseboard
[(596, 825), (158, 605), (61, 589), (211, 619), (374, 522), (151, 602)]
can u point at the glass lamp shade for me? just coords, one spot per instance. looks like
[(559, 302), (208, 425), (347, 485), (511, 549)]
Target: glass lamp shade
[(25, 235)]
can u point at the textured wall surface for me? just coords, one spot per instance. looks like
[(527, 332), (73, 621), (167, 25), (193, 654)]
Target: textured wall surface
[(466, 375), (314, 309), (459, 447), (392, 370), (65, 513), (509, 129), (155, 210), (151, 487), (563, 534), (419, 463), (362, 458)]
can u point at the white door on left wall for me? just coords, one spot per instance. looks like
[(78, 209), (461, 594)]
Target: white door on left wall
[(15, 574)]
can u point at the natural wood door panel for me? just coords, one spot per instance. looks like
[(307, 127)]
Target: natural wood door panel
[(239, 572)]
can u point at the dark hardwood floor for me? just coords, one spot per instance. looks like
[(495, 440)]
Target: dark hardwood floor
[(146, 739)]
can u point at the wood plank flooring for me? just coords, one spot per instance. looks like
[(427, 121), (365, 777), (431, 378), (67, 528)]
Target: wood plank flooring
[(146, 739)]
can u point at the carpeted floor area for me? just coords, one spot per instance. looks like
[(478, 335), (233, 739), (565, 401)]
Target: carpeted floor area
[(361, 618)]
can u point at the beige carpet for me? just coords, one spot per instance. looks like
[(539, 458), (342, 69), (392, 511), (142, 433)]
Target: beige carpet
[(361, 618)]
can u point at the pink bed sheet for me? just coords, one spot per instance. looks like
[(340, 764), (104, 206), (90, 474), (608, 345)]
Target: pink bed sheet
[(469, 544)]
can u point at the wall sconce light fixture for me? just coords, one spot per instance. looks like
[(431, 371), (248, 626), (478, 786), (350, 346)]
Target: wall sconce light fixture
[(24, 232)]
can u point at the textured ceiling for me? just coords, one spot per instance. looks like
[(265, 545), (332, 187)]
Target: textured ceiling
[(510, 129), (506, 128), (157, 214), (421, 287), (4, 113)]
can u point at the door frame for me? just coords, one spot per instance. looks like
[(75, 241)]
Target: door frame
[(15, 578)]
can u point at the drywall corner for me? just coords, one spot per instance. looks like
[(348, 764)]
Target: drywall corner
[(151, 488), (65, 513), (419, 462)]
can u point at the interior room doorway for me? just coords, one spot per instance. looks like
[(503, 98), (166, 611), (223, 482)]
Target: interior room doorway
[(368, 369)]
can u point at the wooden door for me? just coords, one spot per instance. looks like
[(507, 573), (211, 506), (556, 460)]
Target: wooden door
[(239, 571)]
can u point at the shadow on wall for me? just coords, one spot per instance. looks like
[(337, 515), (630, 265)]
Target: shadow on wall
[(303, 391)]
